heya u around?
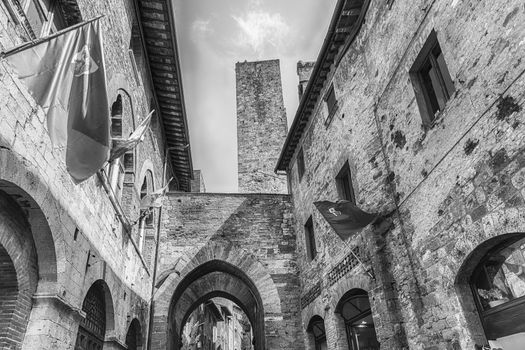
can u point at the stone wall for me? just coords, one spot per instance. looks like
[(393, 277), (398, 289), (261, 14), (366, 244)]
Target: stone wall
[(261, 126), (78, 236), (450, 186), (304, 70), (252, 237)]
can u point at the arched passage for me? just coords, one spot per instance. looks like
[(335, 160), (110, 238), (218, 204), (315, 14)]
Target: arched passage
[(134, 336), (211, 279), (20, 275), (491, 288), (99, 319)]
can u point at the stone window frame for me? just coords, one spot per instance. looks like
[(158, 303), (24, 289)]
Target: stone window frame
[(332, 105), (428, 91), (309, 239), (301, 166), (344, 158), (344, 183)]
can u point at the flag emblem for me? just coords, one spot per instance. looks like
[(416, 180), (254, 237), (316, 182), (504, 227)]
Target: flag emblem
[(65, 75), (345, 217), (84, 63)]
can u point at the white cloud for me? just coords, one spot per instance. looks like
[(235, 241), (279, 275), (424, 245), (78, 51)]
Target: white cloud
[(201, 27), (259, 29)]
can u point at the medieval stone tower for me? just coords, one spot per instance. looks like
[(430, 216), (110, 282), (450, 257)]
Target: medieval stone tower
[(261, 126)]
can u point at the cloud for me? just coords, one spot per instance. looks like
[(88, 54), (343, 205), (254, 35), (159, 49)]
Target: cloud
[(201, 28), (260, 29)]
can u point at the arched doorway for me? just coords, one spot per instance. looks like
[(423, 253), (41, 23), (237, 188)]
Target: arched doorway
[(134, 336), (92, 329), (210, 280), (19, 273), (495, 273), (354, 308), (317, 332)]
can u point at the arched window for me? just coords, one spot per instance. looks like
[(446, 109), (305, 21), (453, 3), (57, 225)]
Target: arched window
[(92, 328), (354, 308), (146, 215), (498, 285), (316, 328), (115, 170)]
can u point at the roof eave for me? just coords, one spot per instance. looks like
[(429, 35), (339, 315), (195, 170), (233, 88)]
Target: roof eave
[(288, 150)]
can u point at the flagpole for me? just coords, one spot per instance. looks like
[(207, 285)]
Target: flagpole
[(32, 43)]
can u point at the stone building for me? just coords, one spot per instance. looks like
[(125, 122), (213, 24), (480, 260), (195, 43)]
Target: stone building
[(261, 126), (77, 261), (414, 110)]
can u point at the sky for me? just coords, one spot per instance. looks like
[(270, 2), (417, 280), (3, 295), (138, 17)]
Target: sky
[(215, 34)]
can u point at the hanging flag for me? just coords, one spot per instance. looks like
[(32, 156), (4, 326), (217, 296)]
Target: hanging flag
[(154, 199), (345, 217), (121, 146), (65, 74)]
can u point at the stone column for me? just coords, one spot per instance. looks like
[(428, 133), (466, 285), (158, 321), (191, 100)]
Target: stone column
[(53, 323)]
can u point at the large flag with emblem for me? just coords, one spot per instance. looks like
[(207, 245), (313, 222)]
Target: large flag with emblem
[(345, 217), (65, 74)]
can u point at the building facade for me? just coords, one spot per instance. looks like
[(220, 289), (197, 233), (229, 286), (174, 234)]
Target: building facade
[(414, 110), (78, 261)]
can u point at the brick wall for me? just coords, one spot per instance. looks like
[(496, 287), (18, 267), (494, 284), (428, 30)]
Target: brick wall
[(261, 126), (251, 233), (304, 70), (455, 184)]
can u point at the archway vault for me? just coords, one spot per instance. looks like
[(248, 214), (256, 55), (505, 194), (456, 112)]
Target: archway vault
[(211, 279), (217, 269)]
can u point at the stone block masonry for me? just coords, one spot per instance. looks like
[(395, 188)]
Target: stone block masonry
[(261, 126), (246, 243)]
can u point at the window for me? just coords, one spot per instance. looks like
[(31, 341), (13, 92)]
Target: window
[(311, 250), (354, 308), (300, 164), (344, 184), (116, 169), (431, 80), (331, 104), (498, 284), (317, 329), (45, 16)]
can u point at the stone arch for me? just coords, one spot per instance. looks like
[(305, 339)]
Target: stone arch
[(214, 278), (316, 333), (108, 303), (147, 166), (226, 259), (18, 272), (346, 284), (134, 335), (38, 206), (465, 293)]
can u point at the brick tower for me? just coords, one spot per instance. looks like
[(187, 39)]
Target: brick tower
[(261, 126)]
